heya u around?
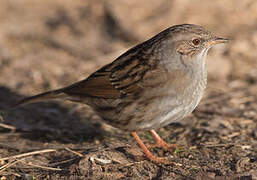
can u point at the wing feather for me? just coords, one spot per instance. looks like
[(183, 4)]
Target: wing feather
[(96, 85), (127, 75)]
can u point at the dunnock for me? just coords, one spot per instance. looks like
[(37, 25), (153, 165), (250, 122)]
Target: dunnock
[(153, 84)]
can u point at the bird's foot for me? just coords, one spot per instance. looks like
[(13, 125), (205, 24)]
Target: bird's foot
[(158, 160), (148, 153), (161, 143), (165, 146)]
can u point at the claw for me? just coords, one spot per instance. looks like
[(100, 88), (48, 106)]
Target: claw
[(161, 143), (148, 154)]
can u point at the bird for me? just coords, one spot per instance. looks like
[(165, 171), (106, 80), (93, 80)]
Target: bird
[(155, 83)]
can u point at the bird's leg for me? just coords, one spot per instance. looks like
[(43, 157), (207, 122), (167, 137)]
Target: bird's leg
[(148, 154), (161, 143)]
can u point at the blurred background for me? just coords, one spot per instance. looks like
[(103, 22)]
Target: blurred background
[(48, 44)]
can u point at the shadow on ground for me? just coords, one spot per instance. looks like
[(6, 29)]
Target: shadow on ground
[(48, 121)]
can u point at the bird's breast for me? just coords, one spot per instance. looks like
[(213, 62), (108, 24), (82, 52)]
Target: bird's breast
[(178, 102)]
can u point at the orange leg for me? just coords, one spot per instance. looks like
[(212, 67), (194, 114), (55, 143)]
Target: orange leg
[(148, 154), (161, 143)]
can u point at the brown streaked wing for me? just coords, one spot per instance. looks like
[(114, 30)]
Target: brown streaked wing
[(96, 85), (127, 76), (124, 77)]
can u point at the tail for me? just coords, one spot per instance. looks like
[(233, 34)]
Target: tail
[(56, 94)]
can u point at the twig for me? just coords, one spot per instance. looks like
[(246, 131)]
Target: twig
[(12, 128), (10, 173), (62, 162), (27, 154), (44, 167), (74, 152), (4, 167)]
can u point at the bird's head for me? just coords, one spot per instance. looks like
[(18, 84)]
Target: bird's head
[(188, 43)]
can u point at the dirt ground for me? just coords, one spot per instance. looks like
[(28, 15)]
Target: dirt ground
[(49, 44)]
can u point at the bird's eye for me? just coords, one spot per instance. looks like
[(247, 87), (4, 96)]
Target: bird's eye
[(196, 42)]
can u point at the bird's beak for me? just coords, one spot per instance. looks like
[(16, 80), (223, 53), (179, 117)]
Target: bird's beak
[(217, 40)]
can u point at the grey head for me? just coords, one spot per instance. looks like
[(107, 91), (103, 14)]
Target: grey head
[(184, 45)]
